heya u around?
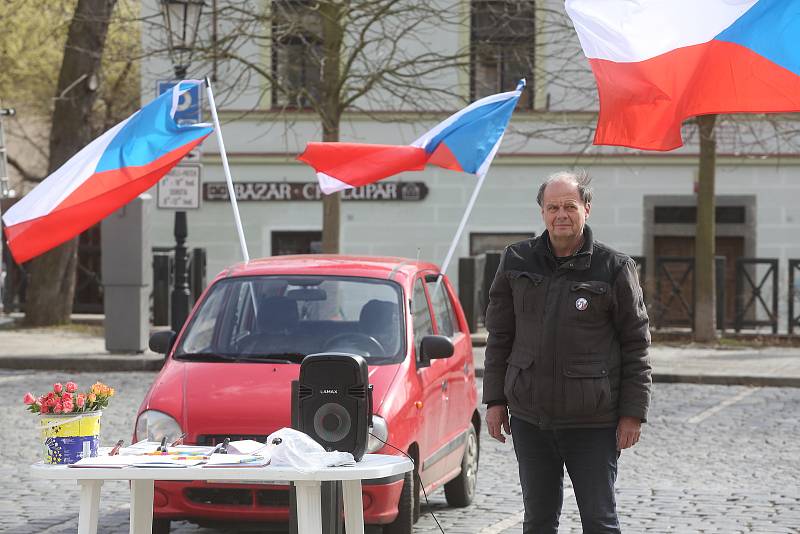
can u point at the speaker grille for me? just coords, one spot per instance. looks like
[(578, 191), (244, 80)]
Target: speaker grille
[(359, 392), (304, 391)]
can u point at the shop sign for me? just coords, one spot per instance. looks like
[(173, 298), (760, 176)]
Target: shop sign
[(180, 188), (301, 191)]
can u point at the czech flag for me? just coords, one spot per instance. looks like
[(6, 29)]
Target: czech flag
[(658, 62), (107, 174), (466, 141)]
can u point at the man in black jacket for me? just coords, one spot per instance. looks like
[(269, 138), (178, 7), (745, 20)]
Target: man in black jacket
[(567, 358)]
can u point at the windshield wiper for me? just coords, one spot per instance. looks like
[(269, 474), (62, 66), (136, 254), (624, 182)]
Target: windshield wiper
[(215, 357), (287, 357)]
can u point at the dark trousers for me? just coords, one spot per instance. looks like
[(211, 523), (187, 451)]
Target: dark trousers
[(590, 455)]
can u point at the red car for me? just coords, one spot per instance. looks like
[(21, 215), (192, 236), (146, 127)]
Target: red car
[(229, 374)]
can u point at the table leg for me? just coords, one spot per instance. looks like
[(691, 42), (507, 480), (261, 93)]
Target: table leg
[(353, 507), (309, 509), (90, 506), (142, 506)]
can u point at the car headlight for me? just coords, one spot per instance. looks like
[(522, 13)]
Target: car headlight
[(153, 425), (380, 431)]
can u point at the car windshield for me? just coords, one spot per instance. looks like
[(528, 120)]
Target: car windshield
[(288, 317)]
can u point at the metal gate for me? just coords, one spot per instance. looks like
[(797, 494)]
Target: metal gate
[(675, 275), (794, 294), (749, 298)]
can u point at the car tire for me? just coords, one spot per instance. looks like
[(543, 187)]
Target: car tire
[(460, 491), (404, 523), (415, 494), (161, 526)]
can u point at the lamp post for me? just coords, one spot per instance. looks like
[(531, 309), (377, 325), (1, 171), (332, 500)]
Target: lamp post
[(182, 20)]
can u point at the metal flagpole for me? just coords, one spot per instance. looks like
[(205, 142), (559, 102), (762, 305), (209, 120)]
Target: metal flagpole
[(460, 230), (231, 192)]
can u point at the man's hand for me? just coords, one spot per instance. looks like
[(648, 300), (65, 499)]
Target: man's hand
[(628, 431), (497, 417)]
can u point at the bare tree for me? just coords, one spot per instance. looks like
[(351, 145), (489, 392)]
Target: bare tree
[(332, 56), (52, 275)]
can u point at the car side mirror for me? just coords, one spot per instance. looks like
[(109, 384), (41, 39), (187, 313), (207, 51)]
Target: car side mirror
[(435, 347), (161, 342)]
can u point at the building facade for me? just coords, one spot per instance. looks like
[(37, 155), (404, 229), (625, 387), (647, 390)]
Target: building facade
[(643, 202)]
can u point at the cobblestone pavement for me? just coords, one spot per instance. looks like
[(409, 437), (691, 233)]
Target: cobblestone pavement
[(712, 459)]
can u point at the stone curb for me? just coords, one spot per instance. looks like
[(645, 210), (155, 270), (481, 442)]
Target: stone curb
[(82, 363), (124, 363), (716, 380), (730, 380)]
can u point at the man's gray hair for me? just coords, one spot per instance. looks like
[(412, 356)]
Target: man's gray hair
[(579, 177)]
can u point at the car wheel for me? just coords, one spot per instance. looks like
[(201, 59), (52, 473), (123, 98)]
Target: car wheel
[(404, 523), (460, 491), (161, 526)]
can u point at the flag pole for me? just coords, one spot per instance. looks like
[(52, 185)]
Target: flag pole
[(231, 192), (460, 229)]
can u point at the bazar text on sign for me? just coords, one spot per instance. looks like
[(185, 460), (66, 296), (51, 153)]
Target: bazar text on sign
[(285, 191)]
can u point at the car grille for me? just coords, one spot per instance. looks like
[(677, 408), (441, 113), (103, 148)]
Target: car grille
[(239, 497), (236, 496), (213, 439)]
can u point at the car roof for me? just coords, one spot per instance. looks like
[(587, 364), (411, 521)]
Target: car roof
[(384, 267)]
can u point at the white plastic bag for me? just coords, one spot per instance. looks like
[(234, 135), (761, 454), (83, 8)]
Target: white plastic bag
[(291, 448)]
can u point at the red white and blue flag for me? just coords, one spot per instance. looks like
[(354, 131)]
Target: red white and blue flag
[(466, 141), (107, 174), (658, 62)]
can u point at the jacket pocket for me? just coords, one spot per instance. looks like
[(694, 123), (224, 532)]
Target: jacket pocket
[(525, 288), (518, 387), (586, 387), (590, 300)]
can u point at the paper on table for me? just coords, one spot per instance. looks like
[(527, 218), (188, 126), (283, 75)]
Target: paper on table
[(236, 460), (149, 447), (248, 446), (120, 460), (115, 461), (166, 461)]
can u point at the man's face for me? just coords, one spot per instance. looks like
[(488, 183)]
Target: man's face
[(563, 211)]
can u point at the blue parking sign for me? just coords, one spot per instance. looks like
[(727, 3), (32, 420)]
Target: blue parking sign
[(189, 106)]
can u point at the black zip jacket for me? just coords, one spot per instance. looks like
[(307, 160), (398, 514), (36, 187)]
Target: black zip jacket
[(567, 345)]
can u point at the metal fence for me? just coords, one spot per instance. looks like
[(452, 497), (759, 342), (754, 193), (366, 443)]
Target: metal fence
[(752, 303)]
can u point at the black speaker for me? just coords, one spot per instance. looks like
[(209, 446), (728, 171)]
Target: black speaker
[(333, 402)]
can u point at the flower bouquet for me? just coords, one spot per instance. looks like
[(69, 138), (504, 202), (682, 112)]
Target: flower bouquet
[(70, 420)]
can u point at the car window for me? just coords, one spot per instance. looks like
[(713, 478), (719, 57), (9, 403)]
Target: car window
[(292, 316), (199, 337), (421, 315), (442, 309)]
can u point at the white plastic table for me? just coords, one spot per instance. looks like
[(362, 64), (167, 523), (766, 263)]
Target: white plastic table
[(307, 484)]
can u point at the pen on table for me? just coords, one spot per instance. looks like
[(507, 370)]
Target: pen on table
[(116, 448), (178, 440)]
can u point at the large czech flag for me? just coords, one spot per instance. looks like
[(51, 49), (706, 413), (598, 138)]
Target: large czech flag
[(107, 174), (466, 141), (658, 62)]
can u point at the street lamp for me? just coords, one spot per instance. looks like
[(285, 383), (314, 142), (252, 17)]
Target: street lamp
[(182, 19)]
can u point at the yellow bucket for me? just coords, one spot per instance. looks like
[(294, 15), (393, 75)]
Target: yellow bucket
[(66, 438)]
